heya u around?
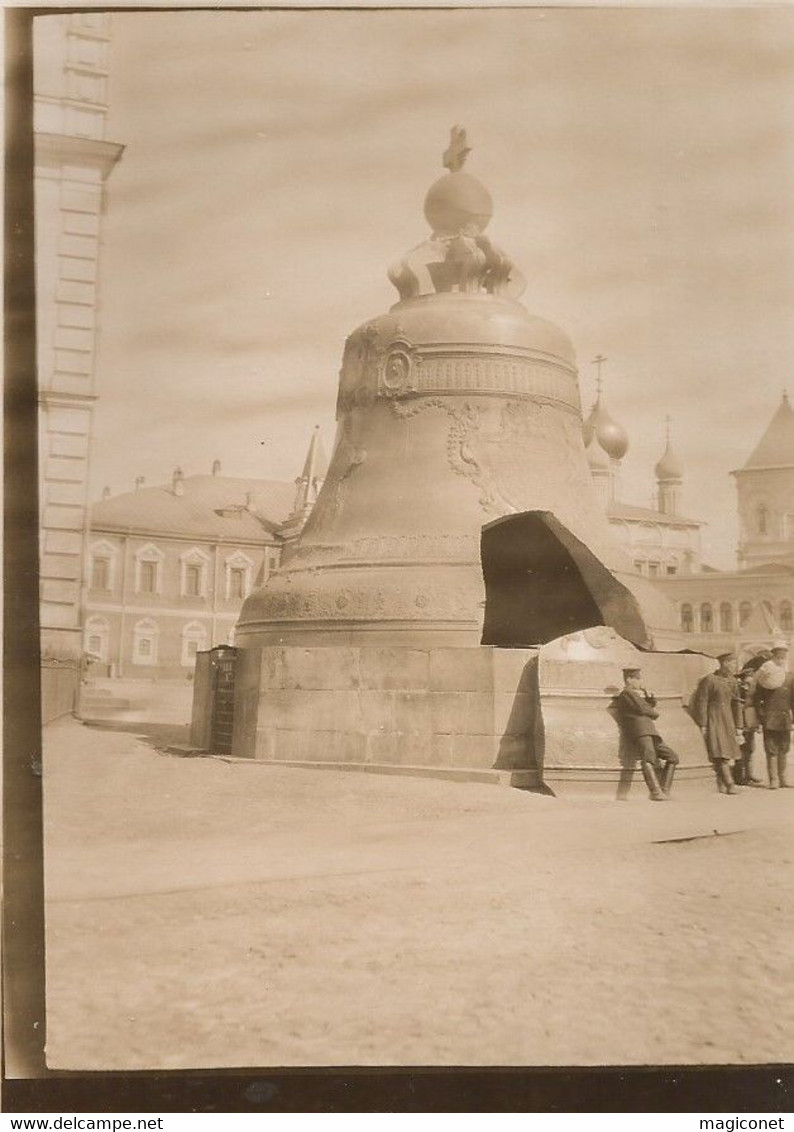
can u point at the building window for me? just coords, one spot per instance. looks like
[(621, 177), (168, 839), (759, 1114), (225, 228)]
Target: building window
[(194, 568), (237, 582), (687, 619), (726, 617), (672, 569), (761, 519), (786, 617), (653, 569), (192, 580), (102, 565), (239, 571), (706, 618), (638, 566), (194, 639), (100, 573), (148, 578), (144, 642), (745, 610), (96, 637), (147, 569)]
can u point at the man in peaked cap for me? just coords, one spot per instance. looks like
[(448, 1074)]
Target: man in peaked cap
[(716, 708), (636, 712), (774, 702)]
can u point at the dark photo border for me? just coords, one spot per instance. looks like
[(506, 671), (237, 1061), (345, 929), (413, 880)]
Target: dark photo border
[(28, 1086)]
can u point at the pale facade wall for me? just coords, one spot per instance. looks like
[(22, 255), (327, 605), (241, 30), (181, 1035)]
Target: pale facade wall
[(766, 515), (721, 605), (120, 614), (658, 549), (73, 162)]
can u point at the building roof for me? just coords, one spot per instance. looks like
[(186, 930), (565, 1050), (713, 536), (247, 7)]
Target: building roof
[(618, 510), (776, 447), (214, 507)]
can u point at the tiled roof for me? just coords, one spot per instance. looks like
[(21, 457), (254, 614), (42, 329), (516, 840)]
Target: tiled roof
[(776, 446), (618, 510), (210, 507)]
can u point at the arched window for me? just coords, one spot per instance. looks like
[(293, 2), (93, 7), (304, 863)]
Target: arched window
[(706, 618), (148, 569), (761, 519), (745, 610), (194, 639), (726, 617), (96, 635), (144, 642), (786, 618), (687, 619)]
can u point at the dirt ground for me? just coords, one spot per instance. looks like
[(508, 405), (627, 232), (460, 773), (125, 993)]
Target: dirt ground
[(205, 913)]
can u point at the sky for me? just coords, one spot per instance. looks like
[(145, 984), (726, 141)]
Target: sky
[(641, 163)]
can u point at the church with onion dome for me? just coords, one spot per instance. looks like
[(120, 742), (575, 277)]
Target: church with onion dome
[(660, 541), (743, 609)]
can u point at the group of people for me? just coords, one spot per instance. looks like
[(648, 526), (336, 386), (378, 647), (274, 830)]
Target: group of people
[(729, 708)]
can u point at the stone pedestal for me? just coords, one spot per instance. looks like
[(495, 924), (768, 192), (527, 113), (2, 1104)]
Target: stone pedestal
[(541, 720), (578, 678)]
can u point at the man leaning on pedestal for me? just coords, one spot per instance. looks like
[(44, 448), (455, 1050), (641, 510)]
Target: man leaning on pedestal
[(636, 711), (774, 703)]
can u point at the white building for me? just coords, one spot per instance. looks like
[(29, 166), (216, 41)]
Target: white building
[(73, 160)]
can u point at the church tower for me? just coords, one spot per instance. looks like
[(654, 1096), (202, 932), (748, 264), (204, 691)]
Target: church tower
[(606, 443), (669, 475), (766, 494)]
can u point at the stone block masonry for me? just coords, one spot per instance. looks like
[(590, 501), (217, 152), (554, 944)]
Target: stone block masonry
[(449, 709)]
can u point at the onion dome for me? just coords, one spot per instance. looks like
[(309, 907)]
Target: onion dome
[(669, 467), (612, 437), (597, 457)]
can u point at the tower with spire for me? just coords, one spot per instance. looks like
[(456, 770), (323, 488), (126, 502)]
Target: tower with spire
[(765, 487), (307, 487)]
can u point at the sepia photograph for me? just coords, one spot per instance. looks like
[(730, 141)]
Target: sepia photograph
[(416, 529)]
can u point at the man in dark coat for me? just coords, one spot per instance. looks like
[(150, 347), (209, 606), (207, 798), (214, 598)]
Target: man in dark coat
[(636, 711), (716, 709), (774, 702)]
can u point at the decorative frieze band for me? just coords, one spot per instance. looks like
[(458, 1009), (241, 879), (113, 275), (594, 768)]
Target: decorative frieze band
[(379, 548), (401, 370), (500, 376)]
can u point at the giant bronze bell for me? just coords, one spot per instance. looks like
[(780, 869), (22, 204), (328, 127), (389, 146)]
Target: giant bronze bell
[(458, 509)]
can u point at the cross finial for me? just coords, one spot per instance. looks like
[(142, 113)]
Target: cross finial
[(667, 422), (457, 151), (598, 361)]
